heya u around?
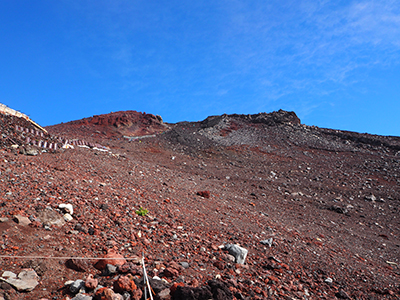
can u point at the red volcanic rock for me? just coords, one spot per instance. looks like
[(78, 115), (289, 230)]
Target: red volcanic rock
[(136, 294), (193, 283), (111, 258), (204, 194), (170, 272), (175, 266), (124, 284), (219, 265), (175, 286), (90, 282), (106, 294)]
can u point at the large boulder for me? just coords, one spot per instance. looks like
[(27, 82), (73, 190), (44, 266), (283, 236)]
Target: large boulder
[(26, 280), (111, 258)]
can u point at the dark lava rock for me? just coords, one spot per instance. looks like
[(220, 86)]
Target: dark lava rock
[(338, 209), (78, 265), (219, 290), (275, 118), (189, 293), (214, 289), (156, 285)]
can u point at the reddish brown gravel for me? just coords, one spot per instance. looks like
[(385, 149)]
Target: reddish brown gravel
[(329, 200)]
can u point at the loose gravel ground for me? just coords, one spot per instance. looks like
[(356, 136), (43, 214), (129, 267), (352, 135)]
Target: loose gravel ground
[(329, 200)]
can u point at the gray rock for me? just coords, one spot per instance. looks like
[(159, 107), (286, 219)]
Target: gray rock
[(184, 264), (267, 242), (126, 296), (109, 270), (49, 217), (82, 297), (31, 151), (26, 281), (238, 252), (76, 286), (342, 295), (2, 220), (21, 220)]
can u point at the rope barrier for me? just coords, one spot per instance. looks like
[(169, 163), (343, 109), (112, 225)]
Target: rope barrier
[(146, 282), (64, 257)]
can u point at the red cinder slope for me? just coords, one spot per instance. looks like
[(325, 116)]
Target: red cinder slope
[(113, 125)]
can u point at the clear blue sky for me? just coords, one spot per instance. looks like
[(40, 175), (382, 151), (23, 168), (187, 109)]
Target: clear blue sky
[(335, 63)]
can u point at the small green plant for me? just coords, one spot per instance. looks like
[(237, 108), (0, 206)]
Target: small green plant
[(141, 211)]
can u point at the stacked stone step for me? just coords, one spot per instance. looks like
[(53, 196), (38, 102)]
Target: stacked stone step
[(32, 138), (29, 130), (53, 146)]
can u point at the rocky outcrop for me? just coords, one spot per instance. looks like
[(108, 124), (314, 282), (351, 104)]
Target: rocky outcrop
[(271, 119)]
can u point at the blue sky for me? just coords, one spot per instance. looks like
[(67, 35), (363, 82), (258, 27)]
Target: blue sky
[(335, 63)]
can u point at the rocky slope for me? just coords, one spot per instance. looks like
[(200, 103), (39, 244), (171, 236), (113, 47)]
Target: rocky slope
[(117, 124), (316, 209)]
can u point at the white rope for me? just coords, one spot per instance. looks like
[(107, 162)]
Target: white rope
[(65, 257), (147, 281)]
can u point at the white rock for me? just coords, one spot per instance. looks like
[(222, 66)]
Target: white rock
[(69, 282), (8, 274), (67, 146), (267, 242), (68, 217), (328, 280), (67, 208)]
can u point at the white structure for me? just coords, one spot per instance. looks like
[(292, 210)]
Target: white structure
[(5, 110)]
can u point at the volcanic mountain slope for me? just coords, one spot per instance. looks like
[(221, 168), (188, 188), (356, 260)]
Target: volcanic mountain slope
[(326, 200), (113, 125)]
